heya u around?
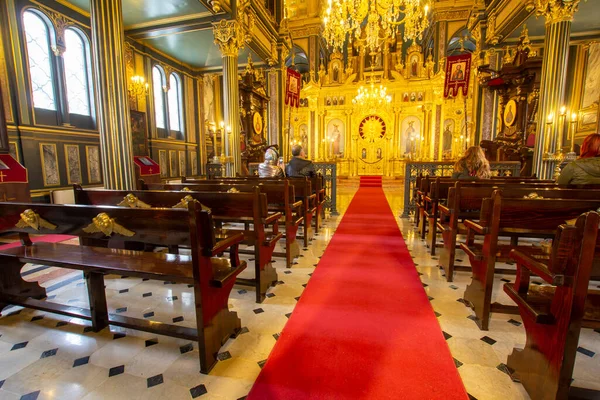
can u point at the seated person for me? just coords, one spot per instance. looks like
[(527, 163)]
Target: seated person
[(270, 167), (299, 166), (586, 169), (473, 165)]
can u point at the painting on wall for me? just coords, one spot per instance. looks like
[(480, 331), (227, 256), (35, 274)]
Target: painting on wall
[(304, 138), (411, 133), (93, 159), (139, 135), (73, 164), (335, 134), (194, 163), (591, 91), (164, 164), (49, 159), (447, 137), (172, 163), (13, 150), (208, 97), (182, 167)]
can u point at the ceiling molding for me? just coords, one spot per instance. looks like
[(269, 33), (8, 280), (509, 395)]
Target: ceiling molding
[(173, 26)]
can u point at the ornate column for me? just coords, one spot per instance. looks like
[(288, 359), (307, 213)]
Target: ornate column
[(397, 141), (559, 16), (428, 132), (229, 36), (113, 106), (321, 136)]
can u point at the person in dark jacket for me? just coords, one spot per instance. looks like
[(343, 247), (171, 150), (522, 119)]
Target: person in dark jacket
[(299, 166), (586, 169), (473, 165)]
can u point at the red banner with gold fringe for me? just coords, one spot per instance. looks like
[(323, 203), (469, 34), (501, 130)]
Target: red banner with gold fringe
[(458, 70), (292, 88)]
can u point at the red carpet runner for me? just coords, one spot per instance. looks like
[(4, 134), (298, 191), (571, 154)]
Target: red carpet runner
[(363, 328)]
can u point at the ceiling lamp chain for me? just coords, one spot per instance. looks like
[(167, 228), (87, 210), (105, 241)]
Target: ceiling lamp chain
[(378, 19)]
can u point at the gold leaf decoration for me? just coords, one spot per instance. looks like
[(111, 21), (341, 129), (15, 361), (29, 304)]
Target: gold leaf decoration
[(32, 220), (185, 202), (107, 225), (133, 202)]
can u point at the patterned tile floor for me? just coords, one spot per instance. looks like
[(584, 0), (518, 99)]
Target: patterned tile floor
[(46, 356)]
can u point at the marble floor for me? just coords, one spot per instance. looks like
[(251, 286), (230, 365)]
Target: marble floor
[(46, 356)]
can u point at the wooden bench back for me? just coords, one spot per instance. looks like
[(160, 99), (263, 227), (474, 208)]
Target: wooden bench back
[(463, 197), (303, 186), (531, 215), (222, 205), (153, 226), (275, 191)]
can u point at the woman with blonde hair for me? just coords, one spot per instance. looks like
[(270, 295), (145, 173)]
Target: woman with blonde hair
[(473, 165)]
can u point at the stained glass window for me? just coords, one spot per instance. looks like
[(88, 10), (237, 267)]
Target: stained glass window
[(76, 73), (174, 100), (38, 56), (158, 82)]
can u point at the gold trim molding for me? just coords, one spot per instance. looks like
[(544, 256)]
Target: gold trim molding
[(557, 10)]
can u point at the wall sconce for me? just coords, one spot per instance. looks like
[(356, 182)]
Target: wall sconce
[(138, 86)]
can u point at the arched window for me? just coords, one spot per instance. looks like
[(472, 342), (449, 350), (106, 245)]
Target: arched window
[(158, 83), (77, 73), (174, 100), (40, 63)]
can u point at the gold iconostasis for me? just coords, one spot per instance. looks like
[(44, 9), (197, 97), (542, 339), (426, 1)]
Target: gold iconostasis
[(376, 139)]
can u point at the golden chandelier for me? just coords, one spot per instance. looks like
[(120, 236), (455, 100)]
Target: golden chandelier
[(372, 97), (379, 19)]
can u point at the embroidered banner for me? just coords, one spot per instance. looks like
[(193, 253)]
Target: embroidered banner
[(292, 88), (458, 70)]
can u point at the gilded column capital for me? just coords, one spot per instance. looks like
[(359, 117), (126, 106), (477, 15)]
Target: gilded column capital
[(557, 10), (229, 36)]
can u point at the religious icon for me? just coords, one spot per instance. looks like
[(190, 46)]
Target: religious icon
[(413, 96), (420, 96), (414, 66), (458, 73), (257, 123), (336, 136), (411, 127), (304, 137), (447, 138), (335, 101), (293, 84), (364, 153), (341, 100), (405, 97), (336, 73), (328, 101), (510, 113)]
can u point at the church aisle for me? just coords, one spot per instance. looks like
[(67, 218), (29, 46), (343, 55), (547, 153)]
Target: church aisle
[(364, 328)]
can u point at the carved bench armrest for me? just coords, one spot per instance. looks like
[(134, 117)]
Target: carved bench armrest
[(221, 277), (273, 218), (474, 226), (231, 239), (444, 209), (521, 300), (537, 267)]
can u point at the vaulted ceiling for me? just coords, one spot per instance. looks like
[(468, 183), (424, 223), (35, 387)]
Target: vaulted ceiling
[(181, 29)]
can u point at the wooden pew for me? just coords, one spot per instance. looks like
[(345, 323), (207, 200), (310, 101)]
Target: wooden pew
[(246, 208), (303, 190), (554, 315), (212, 277), (280, 198), (464, 202), (515, 218)]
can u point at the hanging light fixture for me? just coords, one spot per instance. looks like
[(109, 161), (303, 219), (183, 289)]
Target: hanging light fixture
[(379, 19), (372, 96)]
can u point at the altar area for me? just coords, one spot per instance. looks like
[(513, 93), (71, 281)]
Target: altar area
[(416, 123)]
